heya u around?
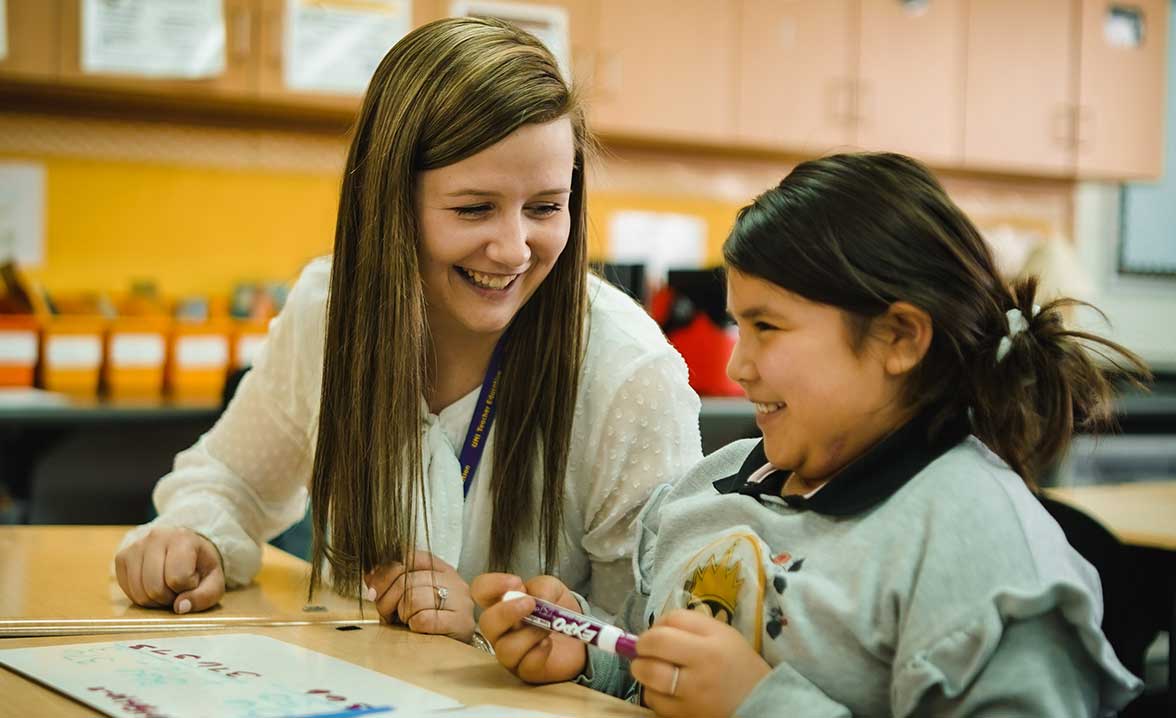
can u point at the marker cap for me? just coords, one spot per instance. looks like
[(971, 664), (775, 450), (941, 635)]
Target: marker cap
[(607, 640)]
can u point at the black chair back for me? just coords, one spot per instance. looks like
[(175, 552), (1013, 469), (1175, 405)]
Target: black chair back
[(1129, 595)]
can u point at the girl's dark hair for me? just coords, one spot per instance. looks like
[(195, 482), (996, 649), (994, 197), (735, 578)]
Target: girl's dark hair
[(862, 231)]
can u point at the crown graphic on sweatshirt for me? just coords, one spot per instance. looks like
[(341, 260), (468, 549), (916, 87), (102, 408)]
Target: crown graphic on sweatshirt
[(718, 581)]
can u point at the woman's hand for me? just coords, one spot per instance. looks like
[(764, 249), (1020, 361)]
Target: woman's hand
[(532, 654), (426, 594), (172, 567), (716, 669)]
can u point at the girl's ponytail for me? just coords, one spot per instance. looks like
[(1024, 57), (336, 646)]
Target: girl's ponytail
[(1038, 381)]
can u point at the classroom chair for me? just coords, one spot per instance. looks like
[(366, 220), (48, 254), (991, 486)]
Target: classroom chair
[(1137, 604)]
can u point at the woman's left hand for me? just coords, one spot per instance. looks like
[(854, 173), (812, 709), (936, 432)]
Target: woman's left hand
[(716, 669), (424, 593)]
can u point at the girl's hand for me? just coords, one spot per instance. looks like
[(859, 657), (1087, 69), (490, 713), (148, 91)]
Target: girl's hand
[(171, 567), (716, 667), (411, 593), (535, 655)]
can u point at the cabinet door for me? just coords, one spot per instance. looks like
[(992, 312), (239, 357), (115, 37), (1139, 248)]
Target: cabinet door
[(272, 60), (32, 39), (239, 79), (910, 91), (583, 20), (1019, 94), (796, 74), (1121, 91), (665, 70)]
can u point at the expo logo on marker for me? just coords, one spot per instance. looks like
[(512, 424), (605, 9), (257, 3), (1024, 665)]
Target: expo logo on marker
[(575, 629)]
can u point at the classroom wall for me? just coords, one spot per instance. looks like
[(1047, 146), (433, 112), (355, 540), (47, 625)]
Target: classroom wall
[(196, 209), (199, 209), (1150, 212), (190, 229), (1141, 309)]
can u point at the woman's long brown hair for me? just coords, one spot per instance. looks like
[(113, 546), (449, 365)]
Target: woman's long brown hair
[(862, 231), (445, 92)]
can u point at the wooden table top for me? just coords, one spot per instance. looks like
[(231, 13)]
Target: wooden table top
[(1139, 513), (59, 580), (432, 662)]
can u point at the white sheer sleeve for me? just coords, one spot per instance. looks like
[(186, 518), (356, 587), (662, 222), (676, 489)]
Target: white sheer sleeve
[(648, 437), (246, 480)]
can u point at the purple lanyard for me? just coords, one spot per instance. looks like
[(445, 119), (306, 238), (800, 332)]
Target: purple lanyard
[(480, 422)]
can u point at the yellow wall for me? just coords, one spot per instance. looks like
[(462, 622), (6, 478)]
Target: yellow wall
[(718, 214), (198, 230), (191, 229)]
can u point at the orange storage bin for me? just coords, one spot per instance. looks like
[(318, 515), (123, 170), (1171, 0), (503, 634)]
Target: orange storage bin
[(18, 349), (72, 348), (136, 356), (198, 360), (248, 336)]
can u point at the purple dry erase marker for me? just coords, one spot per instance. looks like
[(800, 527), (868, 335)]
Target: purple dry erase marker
[(558, 619)]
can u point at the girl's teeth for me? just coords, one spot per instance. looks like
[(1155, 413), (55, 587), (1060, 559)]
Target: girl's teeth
[(489, 281), (767, 408)]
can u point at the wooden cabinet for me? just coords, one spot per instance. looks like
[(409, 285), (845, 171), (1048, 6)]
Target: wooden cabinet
[(271, 55), (1053, 88), (271, 84), (32, 40), (817, 76), (1120, 116), (271, 59), (583, 23), (239, 79), (665, 70), (1038, 87), (796, 67), (1020, 86), (910, 93)]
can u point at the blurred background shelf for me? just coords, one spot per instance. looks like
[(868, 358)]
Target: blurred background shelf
[(73, 411), (90, 461)]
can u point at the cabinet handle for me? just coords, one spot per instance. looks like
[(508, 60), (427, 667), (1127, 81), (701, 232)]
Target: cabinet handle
[(1084, 119), (859, 92), (1065, 125), (840, 97)]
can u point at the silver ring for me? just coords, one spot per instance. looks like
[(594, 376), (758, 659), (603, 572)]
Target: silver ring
[(674, 682), (442, 594)]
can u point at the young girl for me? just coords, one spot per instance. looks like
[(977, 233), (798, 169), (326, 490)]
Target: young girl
[(459, 286), (880, 552)]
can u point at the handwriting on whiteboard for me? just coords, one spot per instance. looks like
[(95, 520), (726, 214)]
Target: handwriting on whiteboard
[(231, 675)]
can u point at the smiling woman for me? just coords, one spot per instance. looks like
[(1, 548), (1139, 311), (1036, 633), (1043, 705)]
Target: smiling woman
[(493, 226), (458, 292)]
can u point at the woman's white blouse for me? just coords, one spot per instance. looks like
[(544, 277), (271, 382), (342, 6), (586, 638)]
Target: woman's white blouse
[(635, 426)]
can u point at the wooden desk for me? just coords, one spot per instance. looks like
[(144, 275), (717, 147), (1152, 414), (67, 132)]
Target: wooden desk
[(59, 580), (1140, 513), (436, 663)]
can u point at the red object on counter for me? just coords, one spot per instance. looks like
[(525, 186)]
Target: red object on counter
[(706, 349)]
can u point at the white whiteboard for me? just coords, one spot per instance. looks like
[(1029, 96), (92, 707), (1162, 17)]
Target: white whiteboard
[(233, 675)]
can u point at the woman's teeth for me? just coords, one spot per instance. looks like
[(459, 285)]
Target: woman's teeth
[(488, 281), (766, 408)]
